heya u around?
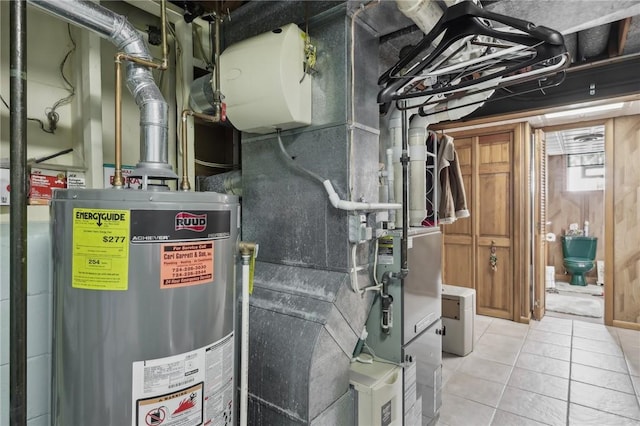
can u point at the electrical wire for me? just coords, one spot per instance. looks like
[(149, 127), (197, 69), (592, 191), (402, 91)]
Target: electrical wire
[(37, 120), (199, 46), (377, 285), (216, 165), (52, 116), (376, 358)]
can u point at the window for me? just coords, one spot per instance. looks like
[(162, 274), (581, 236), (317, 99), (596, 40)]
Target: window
[(585, 172)]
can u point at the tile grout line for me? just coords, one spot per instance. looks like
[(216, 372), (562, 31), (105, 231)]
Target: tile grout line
[(570, 368), (617, 337), (504, 389), (626, 361)]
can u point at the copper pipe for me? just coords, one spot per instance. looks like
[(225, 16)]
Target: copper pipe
[(118, 181), (217, 97), (184, 184), (140, 61), (165, 46)]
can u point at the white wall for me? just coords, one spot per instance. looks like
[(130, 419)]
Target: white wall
[(45, 51), (47, 43), (38, 324)]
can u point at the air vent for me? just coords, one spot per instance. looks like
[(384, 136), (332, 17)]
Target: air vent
[(589, 137)]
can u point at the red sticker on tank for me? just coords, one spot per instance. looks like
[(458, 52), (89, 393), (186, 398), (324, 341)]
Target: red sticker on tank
[(186, 264)]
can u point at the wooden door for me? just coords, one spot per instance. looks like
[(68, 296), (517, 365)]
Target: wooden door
[(458, 237), (493, 223), (540, 223)]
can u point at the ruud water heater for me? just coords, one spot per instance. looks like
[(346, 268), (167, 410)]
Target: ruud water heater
[(143, 307)]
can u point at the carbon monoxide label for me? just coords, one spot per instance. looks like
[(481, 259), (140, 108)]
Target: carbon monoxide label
[(100, 249)]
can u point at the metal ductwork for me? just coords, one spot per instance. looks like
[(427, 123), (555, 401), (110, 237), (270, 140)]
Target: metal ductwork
[(154, 110)]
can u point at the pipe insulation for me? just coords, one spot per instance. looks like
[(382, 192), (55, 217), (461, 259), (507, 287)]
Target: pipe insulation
[(154, 110), (18, 214)]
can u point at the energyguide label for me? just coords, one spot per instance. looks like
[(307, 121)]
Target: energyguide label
[(100, 257)]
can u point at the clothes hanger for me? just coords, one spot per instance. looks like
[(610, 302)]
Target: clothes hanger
[(522, 88), (521, 53)]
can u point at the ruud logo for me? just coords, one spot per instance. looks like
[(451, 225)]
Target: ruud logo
[(190, 221)]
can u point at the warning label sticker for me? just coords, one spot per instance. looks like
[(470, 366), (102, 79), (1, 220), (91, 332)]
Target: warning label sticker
[(179, 408), (100, 249), (190, 389), (385, 251), (186, 264)]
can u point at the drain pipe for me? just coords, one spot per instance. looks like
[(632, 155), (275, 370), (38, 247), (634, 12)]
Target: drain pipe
[(154, 111), (18, 214), (247, 250)]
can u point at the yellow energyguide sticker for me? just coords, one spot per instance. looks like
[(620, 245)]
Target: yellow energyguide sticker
[(100, 249)]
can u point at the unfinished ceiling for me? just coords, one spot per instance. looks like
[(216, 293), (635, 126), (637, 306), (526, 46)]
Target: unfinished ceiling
[(580, 140), (594, 30), (602, 37)]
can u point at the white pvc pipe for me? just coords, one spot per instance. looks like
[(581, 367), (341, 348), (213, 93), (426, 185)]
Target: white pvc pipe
[(336, 202), (244, 342), (417, 170), (395, 131), (390, 187)]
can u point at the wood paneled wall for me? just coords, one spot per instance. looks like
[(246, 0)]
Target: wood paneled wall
[(626, 220), (566, 207)]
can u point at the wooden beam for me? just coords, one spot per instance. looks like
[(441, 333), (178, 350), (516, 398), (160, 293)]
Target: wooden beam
[(623, 32)]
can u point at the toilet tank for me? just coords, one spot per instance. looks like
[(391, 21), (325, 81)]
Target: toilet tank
[(264, 82), (577, 246)]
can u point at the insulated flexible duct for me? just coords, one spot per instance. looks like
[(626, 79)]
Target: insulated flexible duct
[(154, 111)]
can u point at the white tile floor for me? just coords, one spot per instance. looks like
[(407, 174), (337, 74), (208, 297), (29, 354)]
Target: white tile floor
[(552, 372)]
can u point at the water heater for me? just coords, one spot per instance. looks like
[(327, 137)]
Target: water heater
[(264, 82), (143, 307)]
